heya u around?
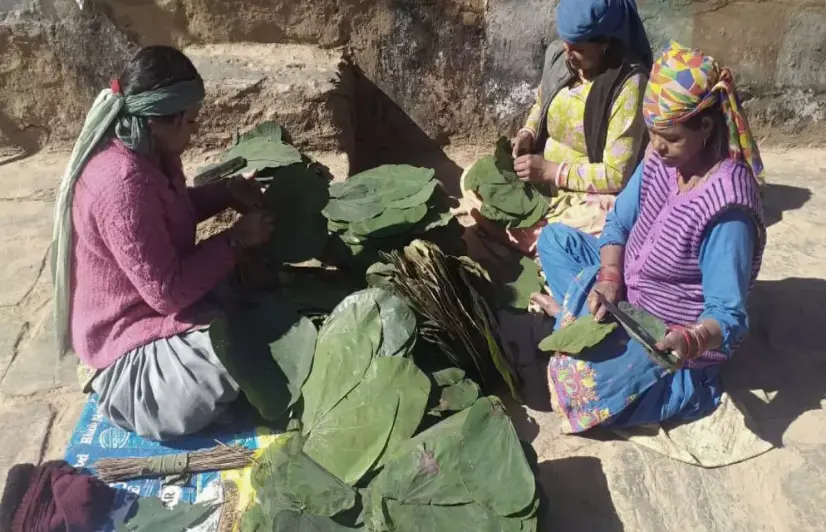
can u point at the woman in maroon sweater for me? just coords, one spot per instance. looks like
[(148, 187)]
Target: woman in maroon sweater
[(130, 280)]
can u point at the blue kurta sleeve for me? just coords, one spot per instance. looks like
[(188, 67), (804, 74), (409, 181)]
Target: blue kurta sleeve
[(726, 256), (623, 216)]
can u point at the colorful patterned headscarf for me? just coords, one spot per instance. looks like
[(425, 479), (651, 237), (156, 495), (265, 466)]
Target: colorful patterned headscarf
[(685, 82)]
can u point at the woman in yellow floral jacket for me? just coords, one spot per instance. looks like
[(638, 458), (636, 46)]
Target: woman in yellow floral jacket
[(585, 134)]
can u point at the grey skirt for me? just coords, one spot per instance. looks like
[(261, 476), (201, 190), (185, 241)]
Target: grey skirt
[(167, 388)]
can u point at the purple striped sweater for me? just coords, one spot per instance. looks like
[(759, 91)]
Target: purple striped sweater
[(662, 268)]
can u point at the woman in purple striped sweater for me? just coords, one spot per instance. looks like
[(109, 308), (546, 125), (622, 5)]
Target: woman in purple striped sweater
[(684, 242)]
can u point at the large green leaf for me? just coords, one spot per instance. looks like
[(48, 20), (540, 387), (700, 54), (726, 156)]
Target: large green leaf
[(390, 222), (518, 280), (349, 190), (318, 491), (495, 215), (511, 198), (413, 389), (542, 208), (425, 469), (346, 345), (269, 475), (269, 130), (458, 518), (344, 210), (580, 335), (491, 450), (419, 198), (445, 429), (150, 514), (291, 521), (503, 157), (268, 349), (255, 520), (505, 199), (397, 174), (261, 153), (296, 197), (285, 478), (349, 439), (398, 323)]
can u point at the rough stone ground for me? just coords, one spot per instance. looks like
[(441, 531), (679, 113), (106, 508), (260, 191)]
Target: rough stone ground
[(592, 485)]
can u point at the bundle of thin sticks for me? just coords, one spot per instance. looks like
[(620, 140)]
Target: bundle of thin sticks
[(218, 458)]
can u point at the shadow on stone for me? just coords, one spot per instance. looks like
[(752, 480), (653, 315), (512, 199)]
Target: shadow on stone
[(783, 355), (576, 496), (778, 199), (385, 134)]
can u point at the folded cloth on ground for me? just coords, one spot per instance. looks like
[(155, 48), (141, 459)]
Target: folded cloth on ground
[(53, 497)]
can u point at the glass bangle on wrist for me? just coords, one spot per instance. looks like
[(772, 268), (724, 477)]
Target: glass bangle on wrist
[(609, 276), (561, 174)]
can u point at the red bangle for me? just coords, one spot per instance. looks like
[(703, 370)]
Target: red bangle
[(690, 342), (611, 277)]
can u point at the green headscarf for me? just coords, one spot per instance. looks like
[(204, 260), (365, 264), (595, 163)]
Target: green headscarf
[(128, 115)]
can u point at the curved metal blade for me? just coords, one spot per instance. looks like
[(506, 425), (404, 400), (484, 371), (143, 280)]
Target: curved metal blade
[(666, 359)]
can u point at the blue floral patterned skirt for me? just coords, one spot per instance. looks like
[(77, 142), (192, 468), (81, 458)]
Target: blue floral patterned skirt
[(614, 384)]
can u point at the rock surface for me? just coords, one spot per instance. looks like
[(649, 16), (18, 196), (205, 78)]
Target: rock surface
[(459, 71), (304, 88)]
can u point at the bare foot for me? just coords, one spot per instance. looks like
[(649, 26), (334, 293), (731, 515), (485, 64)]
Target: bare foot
[(546, 303)]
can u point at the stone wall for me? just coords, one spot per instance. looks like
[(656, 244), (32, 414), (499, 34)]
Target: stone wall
[(458, 71)]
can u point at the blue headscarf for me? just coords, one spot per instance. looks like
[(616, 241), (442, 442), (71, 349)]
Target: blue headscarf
[(584, 20)]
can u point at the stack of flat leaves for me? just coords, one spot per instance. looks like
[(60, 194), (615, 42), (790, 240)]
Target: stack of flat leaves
[(469, 472), (384, 209), (364, 396), (453, 297), (505, 199), (268, 348)]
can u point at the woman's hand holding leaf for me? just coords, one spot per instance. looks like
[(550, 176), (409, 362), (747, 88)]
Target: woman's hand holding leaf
[(523, 143), (246, 192), (535, 168), (253, 229)]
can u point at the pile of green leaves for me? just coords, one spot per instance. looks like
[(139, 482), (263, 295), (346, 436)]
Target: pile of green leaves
[(468, 472), (384, 209), (505, 199), (453, 298), (364, 396)]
